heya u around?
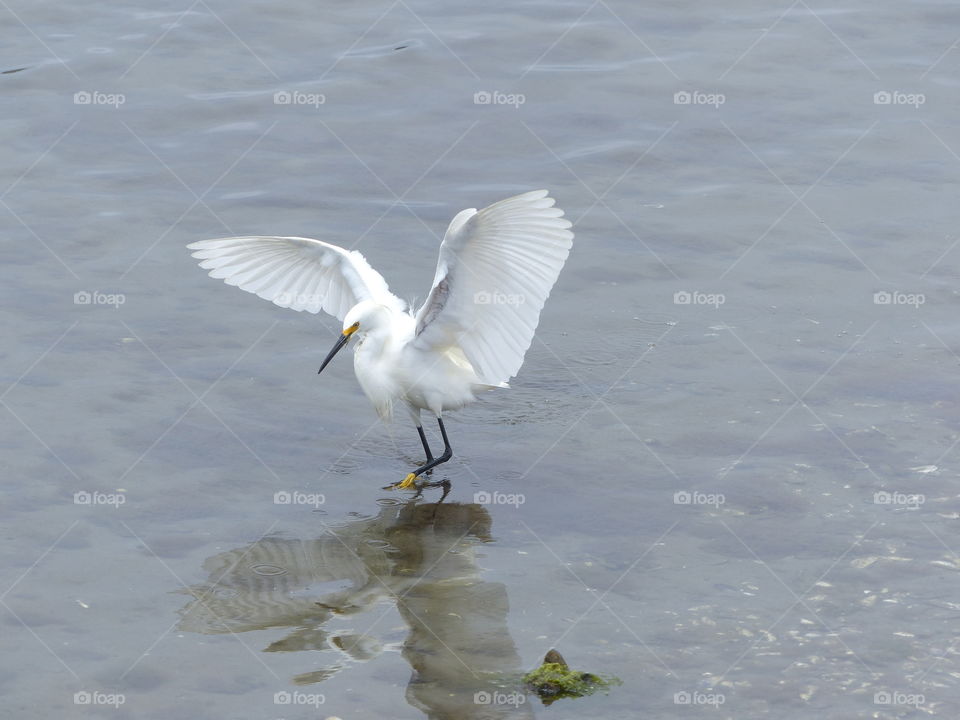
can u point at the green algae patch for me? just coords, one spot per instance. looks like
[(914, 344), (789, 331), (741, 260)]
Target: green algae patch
[(554, 680)]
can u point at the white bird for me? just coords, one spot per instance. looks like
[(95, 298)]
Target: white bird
[(495, 271)]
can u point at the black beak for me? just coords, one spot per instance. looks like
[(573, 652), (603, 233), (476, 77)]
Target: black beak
[(344, 339)]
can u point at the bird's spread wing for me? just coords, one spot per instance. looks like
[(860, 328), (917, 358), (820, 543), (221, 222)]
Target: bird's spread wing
[(496, 269), (294, 272)]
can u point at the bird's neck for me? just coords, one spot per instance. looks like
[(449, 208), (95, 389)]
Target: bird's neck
[(388, 335), (374, 342)]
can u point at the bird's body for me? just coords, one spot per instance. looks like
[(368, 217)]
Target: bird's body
[(495, 271), (390, 367)]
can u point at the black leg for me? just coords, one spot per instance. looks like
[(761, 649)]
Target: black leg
[(423, 439), (408, 481), (447, 452), (433, 462), (446, 443)]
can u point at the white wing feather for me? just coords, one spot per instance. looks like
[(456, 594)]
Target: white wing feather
[(293, 272), (496, 269)]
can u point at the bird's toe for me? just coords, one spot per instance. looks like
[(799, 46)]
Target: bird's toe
[(408, 482)]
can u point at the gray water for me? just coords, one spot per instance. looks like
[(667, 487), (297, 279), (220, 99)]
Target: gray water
[(734, 437)]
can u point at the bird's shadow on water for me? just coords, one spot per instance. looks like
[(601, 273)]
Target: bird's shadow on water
[(420, 556)]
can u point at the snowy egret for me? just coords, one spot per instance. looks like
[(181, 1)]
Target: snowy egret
[(496, 269)]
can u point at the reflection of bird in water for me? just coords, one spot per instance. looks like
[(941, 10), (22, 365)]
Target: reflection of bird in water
[(420, 556), (496, 269)]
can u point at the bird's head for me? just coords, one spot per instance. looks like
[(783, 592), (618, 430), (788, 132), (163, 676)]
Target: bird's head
[(361, 319)]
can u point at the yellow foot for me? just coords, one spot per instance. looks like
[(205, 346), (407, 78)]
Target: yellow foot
[(408, 482)]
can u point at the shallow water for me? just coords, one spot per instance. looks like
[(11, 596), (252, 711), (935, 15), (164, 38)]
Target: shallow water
[(733, 438)]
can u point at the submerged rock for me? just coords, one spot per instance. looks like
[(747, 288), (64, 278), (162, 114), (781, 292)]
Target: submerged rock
[(554, 680)]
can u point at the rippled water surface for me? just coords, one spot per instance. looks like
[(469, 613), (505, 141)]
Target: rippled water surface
[(726, 473)]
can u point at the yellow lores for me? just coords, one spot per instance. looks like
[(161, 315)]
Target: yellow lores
[(495, 271)]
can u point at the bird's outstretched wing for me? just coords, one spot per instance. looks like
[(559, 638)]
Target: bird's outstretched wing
[(297, 273), (495, 271)]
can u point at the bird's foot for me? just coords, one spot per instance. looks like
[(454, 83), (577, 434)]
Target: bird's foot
[(408, 482)]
